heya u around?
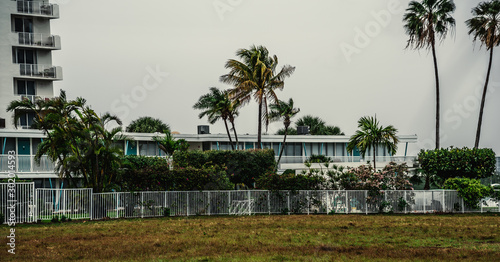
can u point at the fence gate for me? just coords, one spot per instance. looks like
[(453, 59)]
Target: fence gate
[(17, 202), (70, 203)]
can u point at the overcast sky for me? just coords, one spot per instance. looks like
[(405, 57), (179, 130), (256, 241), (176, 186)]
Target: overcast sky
[(157, 57)]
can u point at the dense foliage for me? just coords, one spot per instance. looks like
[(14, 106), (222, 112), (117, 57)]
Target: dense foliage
[(154, 174), (458, 162), (471, 190), (243, 166)]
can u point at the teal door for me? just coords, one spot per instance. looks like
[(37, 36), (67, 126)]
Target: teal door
[(248, 145), (23, 146), (23, 155)]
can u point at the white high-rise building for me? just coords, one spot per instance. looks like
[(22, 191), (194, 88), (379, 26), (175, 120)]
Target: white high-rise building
[(26, 49)]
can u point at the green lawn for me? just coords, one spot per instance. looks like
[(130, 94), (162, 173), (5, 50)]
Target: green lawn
[(473, 237)]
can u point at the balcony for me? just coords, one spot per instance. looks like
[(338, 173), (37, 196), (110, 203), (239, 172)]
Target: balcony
[(43, 41), (34, 98), (26, 164), (39, 9), (40, 72)]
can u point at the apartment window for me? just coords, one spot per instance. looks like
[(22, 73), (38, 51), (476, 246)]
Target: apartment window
[(26, 88), (26, 119), (148, 148), (25, 56), (23, 25)]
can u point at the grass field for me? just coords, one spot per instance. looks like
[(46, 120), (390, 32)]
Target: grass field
[(472, 237)]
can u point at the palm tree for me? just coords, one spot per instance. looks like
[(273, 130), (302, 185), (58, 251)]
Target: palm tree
[(285, 111), (371, 135), (424, 21), (147, 124), (317, 126), (255, 76), (217, 105), (485, 26)]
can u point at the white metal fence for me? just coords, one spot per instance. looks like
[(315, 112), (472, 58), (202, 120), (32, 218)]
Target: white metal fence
[(44, 204), (17, 202)]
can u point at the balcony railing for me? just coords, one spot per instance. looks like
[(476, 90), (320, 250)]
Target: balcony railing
[(33, 98), (40, 71), (39, 40), (26, 164), (38, 8), (349, 159)]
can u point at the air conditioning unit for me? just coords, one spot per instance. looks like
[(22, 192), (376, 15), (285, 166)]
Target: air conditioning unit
[(2, 123), (302, 130), (203, 130)]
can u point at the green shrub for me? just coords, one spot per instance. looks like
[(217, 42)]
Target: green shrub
[(2, 218), (55, 219), (458, 162), (243, 166), (471, 190), (63, 218), (273, 181)]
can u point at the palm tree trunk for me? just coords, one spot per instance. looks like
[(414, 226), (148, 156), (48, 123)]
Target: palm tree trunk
[(437, 93), (235, 134), (259, 128), (229, 134), (283, 147), (483, 99), (374, 166)]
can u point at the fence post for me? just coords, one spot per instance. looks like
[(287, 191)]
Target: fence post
[(308, 200), (366, 202), (142, 204), (91, 202), (444, 201), (425, 200), (327, 202), (249, 206), (117, 194), (406, 206), (463, 206), (269, 201), (288, 202), (346, 202), (64, 201), (187, 203), (208, 196)]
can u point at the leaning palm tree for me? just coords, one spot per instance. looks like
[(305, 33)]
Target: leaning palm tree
[(255, 76), (485, 26), (424, 22), (371, 135), (217, 105), (285, 111)]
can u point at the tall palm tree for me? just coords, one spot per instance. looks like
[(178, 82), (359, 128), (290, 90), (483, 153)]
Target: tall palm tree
[(147, 124), (285, 111), (370, 135), (485, 26), (256, 76), (217, 105), (424, 22), (317, 126)]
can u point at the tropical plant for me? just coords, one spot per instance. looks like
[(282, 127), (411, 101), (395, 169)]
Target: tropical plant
[(317, 126), (256, 76), (370, 135), (485, 27), (471, 190), (169, 144), (285, 111), (77, 140), (424, 22), (217, 105), (147, 124), (445, 163)]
